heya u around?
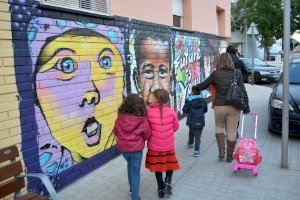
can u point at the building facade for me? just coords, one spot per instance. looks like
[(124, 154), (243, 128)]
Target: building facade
[(64, 71), (209, 16)]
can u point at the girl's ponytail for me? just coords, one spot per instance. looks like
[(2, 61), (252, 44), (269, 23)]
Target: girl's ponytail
[(162, 97)]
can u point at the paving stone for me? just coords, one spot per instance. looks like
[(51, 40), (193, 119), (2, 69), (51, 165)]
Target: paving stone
[(205, 177)]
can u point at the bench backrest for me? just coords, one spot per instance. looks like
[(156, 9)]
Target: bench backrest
[(8, 172)]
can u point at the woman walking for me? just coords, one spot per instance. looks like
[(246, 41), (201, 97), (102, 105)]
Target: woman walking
[(226, 116), (132, 129), (161, 154)]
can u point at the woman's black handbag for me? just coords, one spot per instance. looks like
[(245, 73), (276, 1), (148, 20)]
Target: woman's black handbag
[(236, 96)]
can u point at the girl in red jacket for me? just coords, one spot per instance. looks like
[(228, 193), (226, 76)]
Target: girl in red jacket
[(161, 154), (132, 129)]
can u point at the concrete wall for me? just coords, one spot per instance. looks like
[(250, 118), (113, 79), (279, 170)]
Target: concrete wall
[(204, 17), (198, 15), (155, 11), (64, 75)]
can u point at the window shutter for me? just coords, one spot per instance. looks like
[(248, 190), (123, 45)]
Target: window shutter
[(93, 6), (178, 7)]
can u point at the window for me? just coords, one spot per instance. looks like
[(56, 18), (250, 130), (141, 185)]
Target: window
[(177, 21), (93, 6), (220, 24), (178, 13)]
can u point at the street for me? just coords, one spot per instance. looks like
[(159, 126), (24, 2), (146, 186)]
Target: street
[(206, 177)]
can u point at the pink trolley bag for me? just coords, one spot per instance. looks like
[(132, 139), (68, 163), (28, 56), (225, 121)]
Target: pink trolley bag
[(247, 154)]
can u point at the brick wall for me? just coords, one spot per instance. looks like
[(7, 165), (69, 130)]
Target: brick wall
[(63, 76)]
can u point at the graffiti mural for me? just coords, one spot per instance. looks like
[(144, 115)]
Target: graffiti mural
[(82, 65), (149, 65), (223, 45), (187, 67), (72, 74), (77, 84)]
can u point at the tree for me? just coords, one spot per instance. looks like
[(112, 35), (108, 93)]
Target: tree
[(268, 15), (295, 16)]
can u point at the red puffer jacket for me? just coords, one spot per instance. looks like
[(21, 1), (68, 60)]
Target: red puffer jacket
[(131, 132), (162, 138)]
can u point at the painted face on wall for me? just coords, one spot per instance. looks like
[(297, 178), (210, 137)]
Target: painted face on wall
[(79, 84), (154, 68)]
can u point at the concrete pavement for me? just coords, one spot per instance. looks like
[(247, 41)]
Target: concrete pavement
[(205, 177)]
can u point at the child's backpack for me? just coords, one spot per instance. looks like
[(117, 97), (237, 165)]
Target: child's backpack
[(248, 152)]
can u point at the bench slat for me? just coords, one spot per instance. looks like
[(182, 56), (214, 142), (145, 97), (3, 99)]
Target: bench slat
[(10, 170), (8, 153), (28, 196), (11, 186)]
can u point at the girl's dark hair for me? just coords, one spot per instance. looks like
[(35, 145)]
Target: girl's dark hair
[(162, 97), (195, 90), (133, 105)]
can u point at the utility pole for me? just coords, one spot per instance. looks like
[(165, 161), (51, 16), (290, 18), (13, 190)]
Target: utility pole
[(246, 42), (286, 59), (253, 44), (253, 31)]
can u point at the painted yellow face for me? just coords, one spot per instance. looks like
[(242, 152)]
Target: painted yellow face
[(79, 86)]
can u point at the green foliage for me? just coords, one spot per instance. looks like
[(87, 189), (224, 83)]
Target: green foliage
[(295, 15), (268, 15)]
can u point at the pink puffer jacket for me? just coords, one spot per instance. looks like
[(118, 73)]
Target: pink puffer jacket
[(131, 132), (162, 138)]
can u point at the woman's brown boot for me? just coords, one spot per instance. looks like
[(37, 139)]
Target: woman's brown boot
[(221, 144), (230, 150)]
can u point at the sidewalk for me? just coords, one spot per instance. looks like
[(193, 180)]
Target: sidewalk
[(205, 177)]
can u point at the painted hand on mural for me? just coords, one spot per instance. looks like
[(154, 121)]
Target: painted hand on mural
[(79, 86), (53, 158)]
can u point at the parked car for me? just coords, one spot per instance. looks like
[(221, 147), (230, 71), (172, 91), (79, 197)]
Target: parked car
[(296, 53), (276, 102), (263, 72), (280, 53)]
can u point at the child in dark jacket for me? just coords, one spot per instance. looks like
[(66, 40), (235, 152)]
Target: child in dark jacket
[(195, 107), (132, 129)]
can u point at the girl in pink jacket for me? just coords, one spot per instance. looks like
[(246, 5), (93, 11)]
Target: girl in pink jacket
[(132, 129), (161, 154)]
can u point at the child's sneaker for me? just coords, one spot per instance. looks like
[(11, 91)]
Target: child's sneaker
[(190, 145), (197, 153)]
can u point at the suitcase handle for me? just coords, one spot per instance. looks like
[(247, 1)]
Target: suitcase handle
[(253, 115)]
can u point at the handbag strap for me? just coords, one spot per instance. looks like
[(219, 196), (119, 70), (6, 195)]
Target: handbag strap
[(235, 77)]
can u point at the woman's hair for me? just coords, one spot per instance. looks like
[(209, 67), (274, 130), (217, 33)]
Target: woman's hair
[(231, 49), (195, 90), (162, 97), (225, 61), (133, 105)]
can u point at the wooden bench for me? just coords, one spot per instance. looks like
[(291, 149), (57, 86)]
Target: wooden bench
[(12, 177)]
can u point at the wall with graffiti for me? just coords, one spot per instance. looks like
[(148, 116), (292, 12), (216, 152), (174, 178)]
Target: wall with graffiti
[(73, 71)]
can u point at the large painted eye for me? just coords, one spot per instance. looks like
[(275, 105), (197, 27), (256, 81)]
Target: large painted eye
[(162, 73), (148, 73), (105, 62), (66, 65)]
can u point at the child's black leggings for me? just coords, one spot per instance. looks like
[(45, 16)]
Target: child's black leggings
[(159, 178)]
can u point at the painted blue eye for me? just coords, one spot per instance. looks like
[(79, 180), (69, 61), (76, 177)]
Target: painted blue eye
[(105, 62), (148, 73), (67, 65), (162, 73)]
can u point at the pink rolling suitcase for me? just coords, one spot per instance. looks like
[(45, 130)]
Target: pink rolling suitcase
[(247, 155)]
